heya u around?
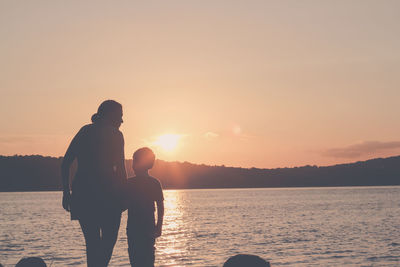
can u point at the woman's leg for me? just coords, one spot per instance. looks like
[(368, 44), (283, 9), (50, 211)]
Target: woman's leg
[(109, 234), (94, 251)]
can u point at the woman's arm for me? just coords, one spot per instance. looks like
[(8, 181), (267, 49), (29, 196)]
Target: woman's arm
[(69, 157)]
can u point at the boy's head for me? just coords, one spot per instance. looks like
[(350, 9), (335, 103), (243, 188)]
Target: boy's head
[(143, 159)]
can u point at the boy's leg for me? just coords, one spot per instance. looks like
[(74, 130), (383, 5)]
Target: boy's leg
[(130, 249), (150, 251), (141, 251)]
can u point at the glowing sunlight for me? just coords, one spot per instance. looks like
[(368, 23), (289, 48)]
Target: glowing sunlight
[(168, 142)]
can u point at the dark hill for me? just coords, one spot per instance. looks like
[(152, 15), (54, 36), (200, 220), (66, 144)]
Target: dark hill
[(34, 173)]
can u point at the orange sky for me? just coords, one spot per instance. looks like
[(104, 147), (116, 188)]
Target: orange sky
[(244, 83)]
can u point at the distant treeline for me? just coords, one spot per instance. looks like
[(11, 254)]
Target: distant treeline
[(35, 173)]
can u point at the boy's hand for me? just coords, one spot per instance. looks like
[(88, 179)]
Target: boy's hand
[(157, 232)]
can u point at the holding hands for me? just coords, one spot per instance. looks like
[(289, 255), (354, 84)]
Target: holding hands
[(158, 231)]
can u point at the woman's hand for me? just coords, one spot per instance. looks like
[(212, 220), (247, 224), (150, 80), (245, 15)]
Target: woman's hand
[(66, 201), (158, 231)]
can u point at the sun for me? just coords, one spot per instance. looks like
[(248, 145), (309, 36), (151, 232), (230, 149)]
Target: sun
[(168, 142)]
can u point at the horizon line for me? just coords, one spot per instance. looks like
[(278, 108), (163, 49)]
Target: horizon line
[(223, 165)]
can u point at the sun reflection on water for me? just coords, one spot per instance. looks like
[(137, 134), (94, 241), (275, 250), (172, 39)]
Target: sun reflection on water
[(172, 245)]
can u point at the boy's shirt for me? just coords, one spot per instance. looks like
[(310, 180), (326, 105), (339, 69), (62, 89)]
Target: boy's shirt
[(142, 193)]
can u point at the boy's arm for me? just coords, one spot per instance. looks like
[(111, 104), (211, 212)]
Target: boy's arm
[(160, 218)]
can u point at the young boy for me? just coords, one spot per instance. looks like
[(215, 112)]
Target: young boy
[(143, 191)]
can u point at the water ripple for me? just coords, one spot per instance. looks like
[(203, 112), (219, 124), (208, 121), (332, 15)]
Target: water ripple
[(289, 227)]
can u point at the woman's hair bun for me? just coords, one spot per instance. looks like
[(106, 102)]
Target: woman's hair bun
[(95, 117)]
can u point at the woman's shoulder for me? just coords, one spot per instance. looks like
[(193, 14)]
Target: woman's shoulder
[(87, 127), (83, 130)]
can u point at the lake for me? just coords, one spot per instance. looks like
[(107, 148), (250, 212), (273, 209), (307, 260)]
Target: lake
[(347, 226)]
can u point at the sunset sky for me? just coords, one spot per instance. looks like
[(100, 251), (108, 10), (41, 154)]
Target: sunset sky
[(241, 83)]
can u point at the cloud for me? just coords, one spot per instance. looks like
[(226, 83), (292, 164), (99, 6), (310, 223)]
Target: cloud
[(211, 135), (360, 149)]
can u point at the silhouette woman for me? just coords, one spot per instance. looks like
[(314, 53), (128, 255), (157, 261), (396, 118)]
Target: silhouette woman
[(96, 190)]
